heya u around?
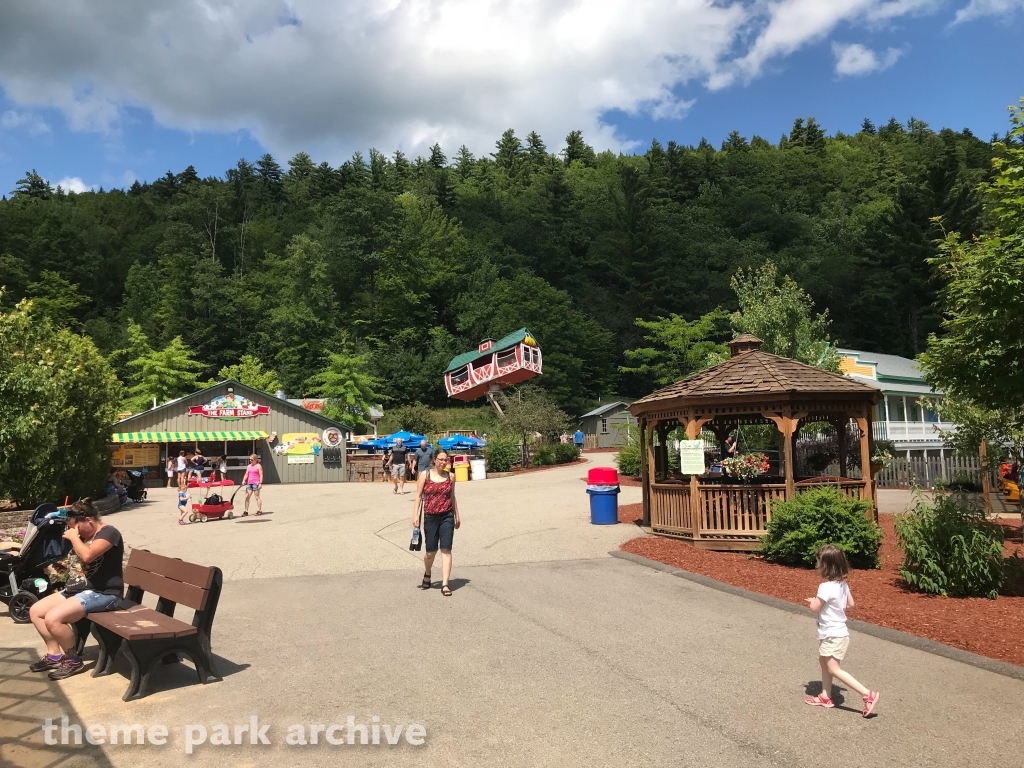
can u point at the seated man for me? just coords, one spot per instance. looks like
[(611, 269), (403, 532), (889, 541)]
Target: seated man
[(94, 585)]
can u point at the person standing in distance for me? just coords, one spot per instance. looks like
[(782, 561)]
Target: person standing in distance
[(253, 483), (436, 487), (423, 457), (578, 438), (182, 471), (397, 461)]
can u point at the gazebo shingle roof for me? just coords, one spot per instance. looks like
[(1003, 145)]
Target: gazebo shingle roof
[(758, 373)]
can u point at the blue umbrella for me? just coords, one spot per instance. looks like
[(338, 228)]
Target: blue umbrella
[(455, 442), (410, 439)]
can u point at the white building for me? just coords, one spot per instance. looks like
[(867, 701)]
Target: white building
[(900, 417)]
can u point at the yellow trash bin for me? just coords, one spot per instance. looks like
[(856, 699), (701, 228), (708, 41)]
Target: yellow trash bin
[(461, 473)]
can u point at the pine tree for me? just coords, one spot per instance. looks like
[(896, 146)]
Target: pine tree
[(464, 162), (868, 127), (509, 156), (536, 152), (577, 149), (437, 157), (33, 185)]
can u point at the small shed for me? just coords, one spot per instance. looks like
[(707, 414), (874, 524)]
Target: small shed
[(605, 426), (751, 387), (295, 445)]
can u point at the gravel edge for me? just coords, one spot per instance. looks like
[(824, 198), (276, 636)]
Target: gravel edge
[(884, 633)]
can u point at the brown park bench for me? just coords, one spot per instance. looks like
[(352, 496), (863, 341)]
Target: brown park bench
[(148, 635)]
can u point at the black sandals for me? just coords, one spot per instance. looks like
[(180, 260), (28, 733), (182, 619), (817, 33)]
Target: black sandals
[(425, 584), (446, 590)]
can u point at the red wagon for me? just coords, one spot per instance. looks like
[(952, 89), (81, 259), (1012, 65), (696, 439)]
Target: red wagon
[(213, 506)]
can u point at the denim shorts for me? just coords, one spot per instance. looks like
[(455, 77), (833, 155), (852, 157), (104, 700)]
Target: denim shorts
[(253, 486), (95, 602), (439, 531)]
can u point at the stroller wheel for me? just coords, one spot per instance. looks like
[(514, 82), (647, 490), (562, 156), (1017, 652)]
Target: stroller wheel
[(203, 518), (20, 605), (192, 517), (230, 514)]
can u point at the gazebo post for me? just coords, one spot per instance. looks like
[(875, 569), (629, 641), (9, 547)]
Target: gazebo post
[(693, 428), (787, 443), (864, 425), (840, 425), (644, 472)]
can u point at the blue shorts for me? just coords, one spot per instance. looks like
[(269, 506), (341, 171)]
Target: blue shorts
[(253, 486), (439, 531), (95, 602)]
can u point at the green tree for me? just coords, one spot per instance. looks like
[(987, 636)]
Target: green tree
[(782, 315), (54, 297), (33, 185), (159, 374), (679, 347), (528, 410), (58, 398), (978, 357), (348, 387), (249, 371)]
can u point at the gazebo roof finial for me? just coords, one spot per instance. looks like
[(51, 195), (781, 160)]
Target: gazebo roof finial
[(746, 342)]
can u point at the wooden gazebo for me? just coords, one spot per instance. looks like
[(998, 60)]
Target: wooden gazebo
[(751, 387)]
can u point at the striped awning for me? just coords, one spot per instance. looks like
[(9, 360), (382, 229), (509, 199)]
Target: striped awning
[(184, 437)]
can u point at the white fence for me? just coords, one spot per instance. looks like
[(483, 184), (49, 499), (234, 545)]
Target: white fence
[(924, 473)]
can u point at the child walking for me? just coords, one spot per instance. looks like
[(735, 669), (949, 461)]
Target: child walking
[(830, 604), (183, 502)]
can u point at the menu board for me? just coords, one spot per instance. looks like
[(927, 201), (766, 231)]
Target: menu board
[(135, 456)]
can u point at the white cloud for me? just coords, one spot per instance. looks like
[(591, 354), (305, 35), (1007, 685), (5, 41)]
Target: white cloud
[(72, 184), (978, 8), (331, 77), (855, 59), (12, 118)]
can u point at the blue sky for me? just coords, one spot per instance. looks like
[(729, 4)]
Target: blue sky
[(133, 95)]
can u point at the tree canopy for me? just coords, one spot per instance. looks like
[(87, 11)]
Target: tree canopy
[(412, 260)]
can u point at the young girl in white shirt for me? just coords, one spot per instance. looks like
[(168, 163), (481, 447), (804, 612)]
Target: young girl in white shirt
[(830, 604)]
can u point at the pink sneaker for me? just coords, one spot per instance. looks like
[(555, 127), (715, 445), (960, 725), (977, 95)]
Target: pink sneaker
[(869, 702), (821, 700)]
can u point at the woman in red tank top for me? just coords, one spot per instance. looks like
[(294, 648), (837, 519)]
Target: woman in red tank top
[(436, 488)]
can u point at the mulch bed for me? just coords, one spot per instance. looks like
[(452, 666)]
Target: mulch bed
[(987, 627)]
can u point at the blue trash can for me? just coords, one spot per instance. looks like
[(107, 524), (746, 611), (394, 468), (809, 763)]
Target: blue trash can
[(604, 504)]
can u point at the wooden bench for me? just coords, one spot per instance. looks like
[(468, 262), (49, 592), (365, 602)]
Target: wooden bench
[(146, 635)]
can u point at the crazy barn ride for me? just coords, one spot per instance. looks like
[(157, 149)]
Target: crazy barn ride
[(492, 366)]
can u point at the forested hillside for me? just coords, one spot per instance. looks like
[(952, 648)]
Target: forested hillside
[(400, 263)]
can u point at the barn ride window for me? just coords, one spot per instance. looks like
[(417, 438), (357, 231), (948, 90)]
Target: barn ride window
[(460, 377), (508, 357)]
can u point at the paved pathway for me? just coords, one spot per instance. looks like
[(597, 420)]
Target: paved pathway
[(549, 653)]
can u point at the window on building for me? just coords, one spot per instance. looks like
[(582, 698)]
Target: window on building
[(604, 426), (897, 409), (914, 411), (931, 415), (880, 412)]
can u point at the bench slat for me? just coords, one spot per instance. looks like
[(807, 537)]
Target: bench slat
[(189, 573), (142, 623), (161, 586)]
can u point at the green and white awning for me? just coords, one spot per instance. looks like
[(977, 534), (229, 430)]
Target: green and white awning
[(184, 437)]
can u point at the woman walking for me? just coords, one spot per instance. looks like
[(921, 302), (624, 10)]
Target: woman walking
[(253, 483), (169, 467), (436, 488)]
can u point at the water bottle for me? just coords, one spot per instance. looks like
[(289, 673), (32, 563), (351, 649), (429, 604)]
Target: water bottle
[(415, 543)]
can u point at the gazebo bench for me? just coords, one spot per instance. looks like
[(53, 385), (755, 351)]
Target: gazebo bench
[(147, 635)]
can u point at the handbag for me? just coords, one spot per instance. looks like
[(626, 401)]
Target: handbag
[(417, 537)]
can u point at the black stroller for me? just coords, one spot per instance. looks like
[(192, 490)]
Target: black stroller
[(136, 487), (22, 576)]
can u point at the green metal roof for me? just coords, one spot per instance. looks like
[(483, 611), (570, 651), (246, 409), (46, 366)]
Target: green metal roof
[(466, 358)]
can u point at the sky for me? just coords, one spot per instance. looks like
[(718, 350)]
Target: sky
[(99, 95)]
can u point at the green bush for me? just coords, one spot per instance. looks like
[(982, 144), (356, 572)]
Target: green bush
[(821, 516), (949, 548), (543, 455), (501, 455), (566, 452), (628, 457), (1013, 570)]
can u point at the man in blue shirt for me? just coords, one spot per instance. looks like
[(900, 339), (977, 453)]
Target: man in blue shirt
[(578, 438)]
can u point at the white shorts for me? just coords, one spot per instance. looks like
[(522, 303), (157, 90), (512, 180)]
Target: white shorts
[(836, 647)]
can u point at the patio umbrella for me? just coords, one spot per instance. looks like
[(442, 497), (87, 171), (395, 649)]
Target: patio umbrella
[(460, 442), (409, 438)]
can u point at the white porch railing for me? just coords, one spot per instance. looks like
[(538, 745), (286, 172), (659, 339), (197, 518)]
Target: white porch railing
[(910, 430)]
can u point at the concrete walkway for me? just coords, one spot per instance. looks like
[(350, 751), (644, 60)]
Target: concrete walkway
[(549, 652)]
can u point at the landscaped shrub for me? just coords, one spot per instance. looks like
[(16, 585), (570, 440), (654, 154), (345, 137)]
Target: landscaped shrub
[(566, 452), (949, 548), (628, 457), (501, 454), (821, 516), (543, 455), (1013, 581)]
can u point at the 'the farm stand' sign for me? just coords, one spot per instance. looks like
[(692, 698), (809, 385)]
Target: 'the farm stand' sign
[(229, 407)]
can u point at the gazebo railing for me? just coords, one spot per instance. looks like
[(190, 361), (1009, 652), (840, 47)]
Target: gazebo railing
[(671, 510), (730, 510)]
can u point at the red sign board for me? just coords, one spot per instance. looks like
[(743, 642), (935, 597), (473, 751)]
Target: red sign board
[(229, 407)]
